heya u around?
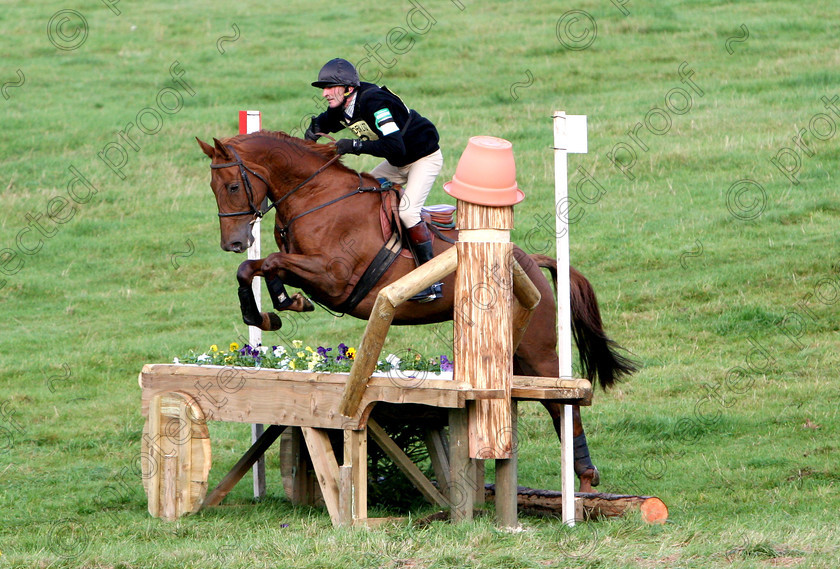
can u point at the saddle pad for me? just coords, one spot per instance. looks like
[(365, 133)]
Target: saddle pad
[(441, 215)]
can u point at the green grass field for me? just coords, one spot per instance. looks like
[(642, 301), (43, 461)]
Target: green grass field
[(710, 241)]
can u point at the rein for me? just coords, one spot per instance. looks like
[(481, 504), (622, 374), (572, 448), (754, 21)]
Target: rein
[(258, 213)]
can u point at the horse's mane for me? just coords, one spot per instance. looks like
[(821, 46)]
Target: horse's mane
[(326, 151)]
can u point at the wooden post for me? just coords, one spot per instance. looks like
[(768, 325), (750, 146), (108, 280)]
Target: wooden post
[(483, 343), (462, 467), (506, 483)]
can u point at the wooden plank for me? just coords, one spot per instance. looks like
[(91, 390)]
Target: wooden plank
[(404, 463), (295, 403), (288, 398), (155, 457), (243, 465), (258, 469), (462, 467), (326, 468)]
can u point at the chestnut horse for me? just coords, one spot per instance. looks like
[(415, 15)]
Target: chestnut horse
[(328, 229)]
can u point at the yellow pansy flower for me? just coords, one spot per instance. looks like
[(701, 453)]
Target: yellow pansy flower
[(233, 347), (214, 348)]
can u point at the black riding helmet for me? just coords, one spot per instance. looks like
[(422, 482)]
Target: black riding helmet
[(337, 72)]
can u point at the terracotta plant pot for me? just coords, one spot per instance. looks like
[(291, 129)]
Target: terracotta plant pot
[(486, 173)]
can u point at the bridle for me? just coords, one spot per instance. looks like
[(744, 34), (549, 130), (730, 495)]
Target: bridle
[(249, 190), (258, 213)]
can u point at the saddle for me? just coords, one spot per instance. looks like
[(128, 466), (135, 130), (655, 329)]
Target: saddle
[(439, 217)]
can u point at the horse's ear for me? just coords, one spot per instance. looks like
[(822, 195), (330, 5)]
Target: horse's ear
[(220, 148), (208, 150)]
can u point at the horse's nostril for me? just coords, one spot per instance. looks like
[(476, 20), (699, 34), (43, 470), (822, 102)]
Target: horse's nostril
[(235, 247)]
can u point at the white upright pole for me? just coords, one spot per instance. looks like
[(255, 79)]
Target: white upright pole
[(251, 121), (568, 137)]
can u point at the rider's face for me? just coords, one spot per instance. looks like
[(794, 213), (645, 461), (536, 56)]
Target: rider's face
[(334, 96)]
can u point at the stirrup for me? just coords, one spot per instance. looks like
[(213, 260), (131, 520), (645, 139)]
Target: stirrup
[(428, 295)]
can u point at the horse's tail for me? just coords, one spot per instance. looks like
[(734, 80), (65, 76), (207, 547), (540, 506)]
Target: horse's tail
[(599, 355)]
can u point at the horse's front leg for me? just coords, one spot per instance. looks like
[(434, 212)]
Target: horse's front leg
[(275, 268), (251, 314)]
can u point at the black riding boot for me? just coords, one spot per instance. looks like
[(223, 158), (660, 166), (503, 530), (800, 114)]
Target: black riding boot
[(421, 241)]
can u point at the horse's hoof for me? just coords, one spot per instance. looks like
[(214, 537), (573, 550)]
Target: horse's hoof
[(306, 303), (591, 477), (271, 322)]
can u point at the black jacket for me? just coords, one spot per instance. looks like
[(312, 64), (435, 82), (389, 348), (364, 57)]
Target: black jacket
[(379, 120)]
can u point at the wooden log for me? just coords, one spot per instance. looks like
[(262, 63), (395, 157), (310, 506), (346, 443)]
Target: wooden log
[(527, 298), (243, 465), (595, 504), (376, 330), (483, 342)]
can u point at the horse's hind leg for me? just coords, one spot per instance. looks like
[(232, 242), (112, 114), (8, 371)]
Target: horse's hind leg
[(537, 355), (585, 470)]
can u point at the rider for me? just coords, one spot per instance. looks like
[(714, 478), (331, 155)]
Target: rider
[(386, 127)]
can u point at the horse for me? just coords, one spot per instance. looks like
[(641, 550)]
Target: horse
[(328, 230)]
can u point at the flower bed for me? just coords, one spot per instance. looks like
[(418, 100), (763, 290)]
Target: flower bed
[(408, 365)]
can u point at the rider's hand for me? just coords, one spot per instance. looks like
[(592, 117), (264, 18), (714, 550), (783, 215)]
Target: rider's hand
[(313, 130), (347, 145)]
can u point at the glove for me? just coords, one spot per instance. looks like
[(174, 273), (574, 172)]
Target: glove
[(347, 145), (313, 130)]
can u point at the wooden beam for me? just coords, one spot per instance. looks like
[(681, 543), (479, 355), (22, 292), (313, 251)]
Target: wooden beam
[(404, 463), (376, 330), (326, 469), (527, 299), (436, 445), (243, 465)]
